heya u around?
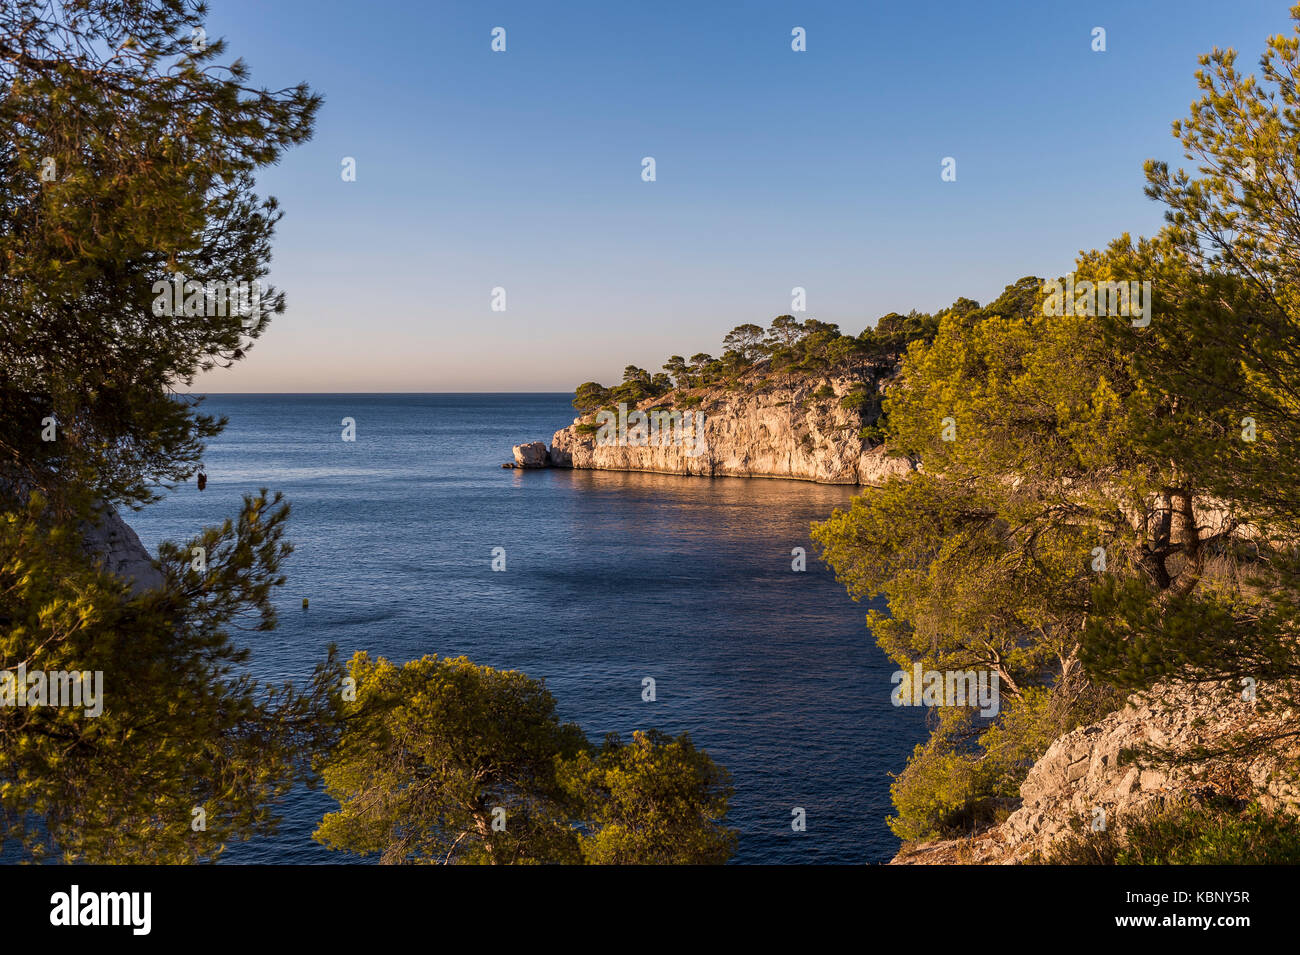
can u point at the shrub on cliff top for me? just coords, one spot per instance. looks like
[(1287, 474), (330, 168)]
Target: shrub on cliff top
[(809, 347), (1217, 833)]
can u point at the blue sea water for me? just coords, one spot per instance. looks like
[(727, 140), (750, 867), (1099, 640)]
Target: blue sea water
[(610, 577)]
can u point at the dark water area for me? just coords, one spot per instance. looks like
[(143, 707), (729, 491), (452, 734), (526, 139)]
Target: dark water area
[(610, 577)]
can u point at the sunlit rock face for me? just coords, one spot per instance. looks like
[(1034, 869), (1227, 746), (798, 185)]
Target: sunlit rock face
[(791, 427)]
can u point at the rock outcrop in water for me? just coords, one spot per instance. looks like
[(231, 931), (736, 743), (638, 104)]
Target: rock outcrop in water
[(531, 455), (787, 426)]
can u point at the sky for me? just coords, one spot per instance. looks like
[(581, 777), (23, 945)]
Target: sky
[(774, 169)]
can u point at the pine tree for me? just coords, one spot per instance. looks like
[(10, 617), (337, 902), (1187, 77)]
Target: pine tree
[(127, 156)]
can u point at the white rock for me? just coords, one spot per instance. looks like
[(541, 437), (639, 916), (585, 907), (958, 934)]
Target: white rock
[(531, 455)]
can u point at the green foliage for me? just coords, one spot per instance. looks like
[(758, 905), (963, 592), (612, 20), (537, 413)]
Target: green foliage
[(967, 775), (182, 725), (746, 343), (1048, 438), (638, 385), (859, 398), (432, 749), (1188, 834), (126, 156), (1231, 219), (591, 396), (677, 368), (872, 435), (937, 793), (654, 801), (444, 761), (809, 347), (985, 555), (1219, 367)]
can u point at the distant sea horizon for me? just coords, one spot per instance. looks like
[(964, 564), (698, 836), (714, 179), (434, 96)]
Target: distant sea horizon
[(610, 577)]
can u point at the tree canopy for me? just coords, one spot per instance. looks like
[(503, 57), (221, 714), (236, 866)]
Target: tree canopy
[(128, 147), (188, 752), (445, 761), (1103, 502)]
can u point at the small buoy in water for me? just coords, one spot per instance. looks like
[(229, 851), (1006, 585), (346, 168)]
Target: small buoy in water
[(203, 480), (304, 603)]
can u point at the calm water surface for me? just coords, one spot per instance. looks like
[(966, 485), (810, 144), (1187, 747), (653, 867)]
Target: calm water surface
[(611, 577)]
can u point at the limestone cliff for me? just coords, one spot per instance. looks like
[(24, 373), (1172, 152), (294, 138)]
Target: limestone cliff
[(786, 426)]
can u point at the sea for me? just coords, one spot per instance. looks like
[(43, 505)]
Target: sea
[(609, 578)]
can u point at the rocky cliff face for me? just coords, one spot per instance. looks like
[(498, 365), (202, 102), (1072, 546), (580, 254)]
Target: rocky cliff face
[(1084, 771), (119, 549), (780, 429)]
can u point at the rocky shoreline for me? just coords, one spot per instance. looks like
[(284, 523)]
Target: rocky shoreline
[(1088, 778)]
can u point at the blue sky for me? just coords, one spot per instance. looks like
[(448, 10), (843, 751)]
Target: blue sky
[(775, 169)]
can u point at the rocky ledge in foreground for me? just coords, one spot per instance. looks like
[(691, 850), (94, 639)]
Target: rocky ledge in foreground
[(1084, 771), (786, 426)]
